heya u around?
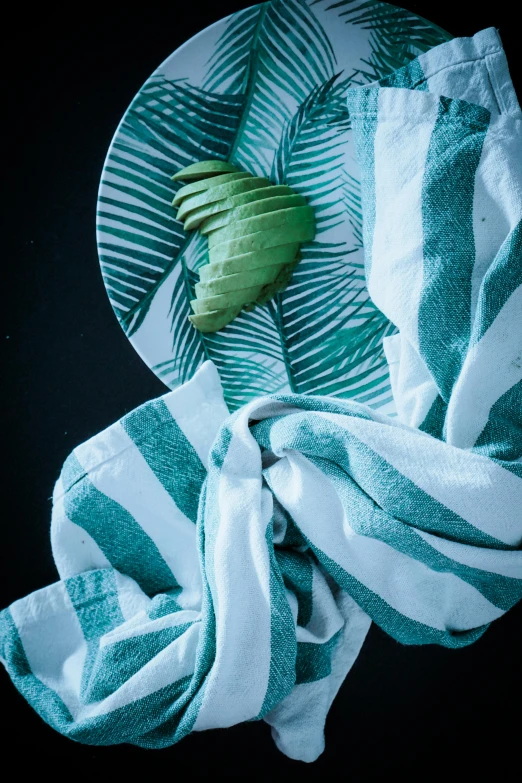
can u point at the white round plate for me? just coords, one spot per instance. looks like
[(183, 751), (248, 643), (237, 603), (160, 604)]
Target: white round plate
[(264, 88)]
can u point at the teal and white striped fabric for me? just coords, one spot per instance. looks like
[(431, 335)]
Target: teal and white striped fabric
[(218, 569)]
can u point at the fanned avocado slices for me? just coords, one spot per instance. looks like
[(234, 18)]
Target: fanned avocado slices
[(252, 277), (295, 216), (215, 320), (204, 184), (283, 254), (196, 219), (255, 230), (261, 240), (251, 210), (220, 191), (207, 168)]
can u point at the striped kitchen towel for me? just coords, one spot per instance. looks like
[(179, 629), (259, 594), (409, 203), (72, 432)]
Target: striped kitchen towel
[(217, 569)]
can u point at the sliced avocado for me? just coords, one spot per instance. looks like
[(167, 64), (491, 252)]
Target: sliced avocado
[(252, 210), (198, 215), (221, 301), (215, 319), (282, 235), (264, 222), (253, 277), (205, 168), (282, 254), (219, 192), (203, 184), (279, 284)]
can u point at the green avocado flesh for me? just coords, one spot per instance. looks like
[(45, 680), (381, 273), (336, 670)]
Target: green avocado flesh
[(219, 192), (198, 215), (215, 320), (252, 277), (231, 299), (280, 283), (251, 210), (265, 222), (204, 184), (283, 254), (206, 168), (303, 232), (254, 231)]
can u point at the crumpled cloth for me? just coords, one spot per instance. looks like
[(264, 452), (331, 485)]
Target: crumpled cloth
[(216, 568)]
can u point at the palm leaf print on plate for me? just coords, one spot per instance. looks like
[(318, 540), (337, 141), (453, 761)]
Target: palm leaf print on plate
[(264, 89)]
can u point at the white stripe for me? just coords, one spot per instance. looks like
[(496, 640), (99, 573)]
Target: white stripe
[(504, 563), (199, 409), (396, 276), (243, 624), (326, 619), (414, 389), (53, 641), (474, 487), (438, 600), (74, 550), (132, 600), (131, 483), (497, 200), (491, 367), (298, 721)]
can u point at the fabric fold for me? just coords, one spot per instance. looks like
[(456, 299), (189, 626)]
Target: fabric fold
[(217, 569)]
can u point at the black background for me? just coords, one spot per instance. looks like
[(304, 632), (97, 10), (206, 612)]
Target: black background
[(68, 371)]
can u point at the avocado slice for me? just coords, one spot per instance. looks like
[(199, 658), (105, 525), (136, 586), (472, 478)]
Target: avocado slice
[(205, 168), (282, 235), (280, 283), (200, 213), (251, 210), (282, 254), (215, 319), (222, 285), (231, 299), (219, 192), (264, 222), (203, 184)]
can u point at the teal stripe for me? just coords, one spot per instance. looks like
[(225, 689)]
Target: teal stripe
[(94, 596), (394, 623), (116, 663), (125, 724), (168, 453), (388, 487), (363, 106), (410, 77), (44, 700), (283, 647), (181, 721), (367, 519), (500, 281), (121, 539), (155, 712), (449, 245), (502, 435), (435, 419), (162, 605), (206, 650), (314, 661), (298, 574)]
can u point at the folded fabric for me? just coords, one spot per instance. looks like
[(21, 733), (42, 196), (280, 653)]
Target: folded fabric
[(218, 569)]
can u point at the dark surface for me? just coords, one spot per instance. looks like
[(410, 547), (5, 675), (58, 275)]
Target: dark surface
[(68, 372)]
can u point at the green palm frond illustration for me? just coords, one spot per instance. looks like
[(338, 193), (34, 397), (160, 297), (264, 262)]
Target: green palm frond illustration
[(396, 37), (167, 126), (272, 101), (272, 54)]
